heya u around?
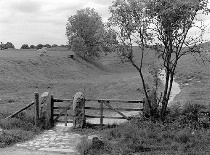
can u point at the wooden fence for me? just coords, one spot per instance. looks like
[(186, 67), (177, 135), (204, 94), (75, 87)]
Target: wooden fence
[(102, 103), (48, 104)]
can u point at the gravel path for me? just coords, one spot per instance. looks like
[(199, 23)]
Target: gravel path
[(59, 139)]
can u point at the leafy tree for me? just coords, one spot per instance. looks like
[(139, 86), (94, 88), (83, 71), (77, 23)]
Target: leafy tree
[(54, 45), (2, 46), (169, 22), (172, 22), (24, 46), (9, 45), (132, 22), (32, 47), (47, 45), (79, 47), (84, 26), (106, 39), (39, 46)]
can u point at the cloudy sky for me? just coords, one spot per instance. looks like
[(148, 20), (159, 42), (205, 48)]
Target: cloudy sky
[(42, 21)]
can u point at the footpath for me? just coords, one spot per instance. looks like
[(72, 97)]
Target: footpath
[(59, 140)]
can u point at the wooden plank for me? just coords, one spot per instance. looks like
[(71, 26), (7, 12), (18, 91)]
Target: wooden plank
[(101, 114), (107, 104), (109, 117), (98, 100), (115, 100), (17, 112), (121, 109), (55, 115), (61, 121), (62, 112), (62, 100), (57, 107)]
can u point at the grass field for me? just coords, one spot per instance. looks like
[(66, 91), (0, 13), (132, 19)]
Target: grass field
[(23, 72)]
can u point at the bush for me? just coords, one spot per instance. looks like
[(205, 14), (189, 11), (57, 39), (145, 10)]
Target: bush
[(86, 147), (39, 46), (175, 136), (12, 136), (17, 129), (24, 46), (32, 47)]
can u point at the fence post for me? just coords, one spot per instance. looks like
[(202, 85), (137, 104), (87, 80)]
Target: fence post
[(66, 115), (52, 110), (101, 114), (36, 108)]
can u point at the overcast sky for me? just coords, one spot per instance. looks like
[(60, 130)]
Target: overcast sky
[(43, 21)]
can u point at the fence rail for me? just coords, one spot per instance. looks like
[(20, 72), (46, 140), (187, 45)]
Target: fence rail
[(99, 100), (17, 112), (110, 117), (102, 103), (122, 109)]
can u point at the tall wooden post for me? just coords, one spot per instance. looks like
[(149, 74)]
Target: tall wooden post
[(66, 118), (52, 110), (101, 114), (36, 108)]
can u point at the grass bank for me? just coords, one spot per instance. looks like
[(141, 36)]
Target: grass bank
[(182, 133), (17, 129)]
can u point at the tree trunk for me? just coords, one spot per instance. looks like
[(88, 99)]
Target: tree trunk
[(167, 95), (165, 101)]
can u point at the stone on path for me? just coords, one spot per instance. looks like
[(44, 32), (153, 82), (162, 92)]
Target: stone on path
[(59, 139)]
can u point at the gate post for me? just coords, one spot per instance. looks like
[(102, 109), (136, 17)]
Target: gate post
[(79, 110), (101, 114), (36, 108), (52, 110), (45, 110)]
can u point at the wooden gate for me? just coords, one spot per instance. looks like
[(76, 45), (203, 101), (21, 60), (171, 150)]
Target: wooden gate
[(105, 104), (98, 105), (61, 112)]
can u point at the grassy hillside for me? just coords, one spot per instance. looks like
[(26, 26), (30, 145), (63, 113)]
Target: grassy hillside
[(24, 72), (193, 76)]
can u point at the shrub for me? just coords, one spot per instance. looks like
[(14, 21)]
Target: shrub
[(12, 136), (24, 46), (143, 136), (86, 148), (39, 46), (17, 129)]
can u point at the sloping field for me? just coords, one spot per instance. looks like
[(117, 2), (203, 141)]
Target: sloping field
[(23, 72), (194, 78)]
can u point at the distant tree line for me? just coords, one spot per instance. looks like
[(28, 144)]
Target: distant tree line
[(6, 46), (39, 46), (26, 46)]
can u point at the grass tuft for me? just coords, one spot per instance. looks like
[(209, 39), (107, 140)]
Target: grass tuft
[(17, 129), (181, 133)]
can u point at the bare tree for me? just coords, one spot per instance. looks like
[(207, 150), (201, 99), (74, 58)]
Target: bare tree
[(169, 23), (172, 22)]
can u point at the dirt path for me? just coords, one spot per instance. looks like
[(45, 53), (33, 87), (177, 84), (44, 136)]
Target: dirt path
[(59, 140)]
